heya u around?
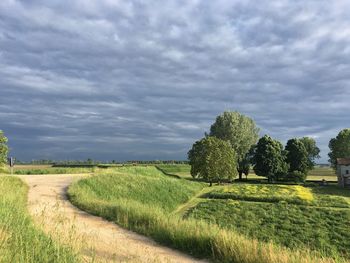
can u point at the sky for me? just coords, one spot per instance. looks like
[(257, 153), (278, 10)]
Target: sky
[(126, 80)]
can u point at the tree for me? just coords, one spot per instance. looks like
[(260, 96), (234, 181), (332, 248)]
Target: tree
[(339, 146), (245, 163), (240, 131), (313, 151), (213, 160), (270, 159), (3, 148), (297, 156)]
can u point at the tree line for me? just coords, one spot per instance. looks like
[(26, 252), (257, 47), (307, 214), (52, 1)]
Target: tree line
[(232, 147)]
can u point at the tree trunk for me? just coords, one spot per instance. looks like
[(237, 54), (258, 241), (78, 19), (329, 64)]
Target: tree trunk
[(210, 183), (240, 175)]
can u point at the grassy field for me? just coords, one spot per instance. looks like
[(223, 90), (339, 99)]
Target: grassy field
[(264, 193), (292, 216), (146, 201), (317, 174), (47, 169), (20, 240)]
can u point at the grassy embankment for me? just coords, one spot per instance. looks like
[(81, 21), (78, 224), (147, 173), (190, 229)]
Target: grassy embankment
[(144, 200), (293, 216), (20, 240)]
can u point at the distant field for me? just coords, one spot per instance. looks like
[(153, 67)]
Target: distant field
[(318, 174), (48, 169)]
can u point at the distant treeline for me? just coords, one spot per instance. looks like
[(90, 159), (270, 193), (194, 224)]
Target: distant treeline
[(90, 162)]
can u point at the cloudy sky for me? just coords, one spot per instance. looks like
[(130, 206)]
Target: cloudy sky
[(121, 80)]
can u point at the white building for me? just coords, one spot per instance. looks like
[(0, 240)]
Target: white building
[(343, 172)]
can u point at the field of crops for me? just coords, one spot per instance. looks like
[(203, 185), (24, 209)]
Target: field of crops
[(151, 203), (20, 240)]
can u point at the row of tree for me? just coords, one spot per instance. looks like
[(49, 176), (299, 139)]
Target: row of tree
[(231, 148), (291, 163)]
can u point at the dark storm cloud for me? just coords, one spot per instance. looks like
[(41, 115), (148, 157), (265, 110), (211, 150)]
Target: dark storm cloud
[(144, 79)]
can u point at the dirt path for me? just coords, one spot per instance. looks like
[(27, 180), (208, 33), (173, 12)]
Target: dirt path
[(100, 240)]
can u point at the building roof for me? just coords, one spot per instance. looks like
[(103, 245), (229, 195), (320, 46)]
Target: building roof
[(343, 161)]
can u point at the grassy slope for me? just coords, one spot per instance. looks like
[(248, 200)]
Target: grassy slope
[(182, 170), (322, 223), (146, 207), (265, 192), (20, 240), (167, 193)]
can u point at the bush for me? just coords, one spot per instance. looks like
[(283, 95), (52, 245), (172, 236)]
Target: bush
[(295, 176)]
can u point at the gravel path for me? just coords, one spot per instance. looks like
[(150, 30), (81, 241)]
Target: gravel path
[(97, 239)]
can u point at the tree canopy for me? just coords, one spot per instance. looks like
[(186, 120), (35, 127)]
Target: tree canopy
[(213, 160), (313, 151), (297, 156), (3, 148), (240, 131), (339, 147), (270, 159)]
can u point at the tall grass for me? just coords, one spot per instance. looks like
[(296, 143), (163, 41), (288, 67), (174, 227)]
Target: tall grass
[(145, 185), (20, 240), (290, 225), (264, 193), (140, 211)]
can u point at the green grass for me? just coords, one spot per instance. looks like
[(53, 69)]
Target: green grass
[(20, 240), (292, 216), (264, 192), (182, 170), (146, 201), (53, 170), (48, 169), (330, 196), (136, 184)]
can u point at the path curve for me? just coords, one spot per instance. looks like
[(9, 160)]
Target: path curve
[(100, 240)]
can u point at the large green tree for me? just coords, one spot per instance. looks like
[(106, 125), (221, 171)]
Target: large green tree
[(313, 151), (339, 146), (297, 156), (240, 131), (3, 148), (213, 160), (270, 159)]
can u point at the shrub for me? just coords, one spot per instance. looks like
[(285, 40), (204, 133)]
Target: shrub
[(295, 176)]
